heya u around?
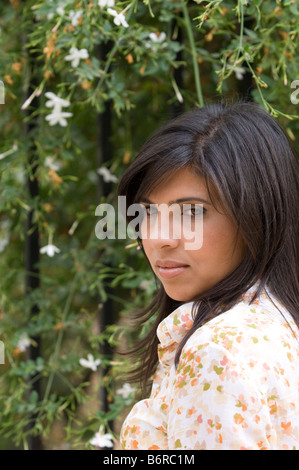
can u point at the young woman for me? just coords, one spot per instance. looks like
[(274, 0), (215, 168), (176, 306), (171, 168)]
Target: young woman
[(224, 344)]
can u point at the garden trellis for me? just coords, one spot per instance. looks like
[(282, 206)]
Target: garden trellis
[(85, 83)]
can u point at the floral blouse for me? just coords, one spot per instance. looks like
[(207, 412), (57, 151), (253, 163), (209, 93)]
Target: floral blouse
[(236, 385)]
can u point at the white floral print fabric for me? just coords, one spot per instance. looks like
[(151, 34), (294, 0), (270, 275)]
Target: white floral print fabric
[(236, 385)]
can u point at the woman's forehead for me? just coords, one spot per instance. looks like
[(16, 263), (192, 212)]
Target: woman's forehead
[(183, 183)]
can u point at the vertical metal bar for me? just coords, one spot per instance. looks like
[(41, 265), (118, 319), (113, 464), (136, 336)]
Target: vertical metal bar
[(32, 274), (32, 282), (105, 153)]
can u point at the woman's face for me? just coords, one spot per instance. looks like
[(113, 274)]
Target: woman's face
[(186, 273)]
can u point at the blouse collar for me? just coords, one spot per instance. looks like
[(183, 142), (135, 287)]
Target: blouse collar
[(171, 331), (173, 328)]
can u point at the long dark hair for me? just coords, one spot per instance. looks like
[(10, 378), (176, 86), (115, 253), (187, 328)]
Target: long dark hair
[(245, 156)]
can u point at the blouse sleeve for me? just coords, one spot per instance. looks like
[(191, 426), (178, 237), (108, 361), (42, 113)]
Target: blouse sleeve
[(216, 404), (145, 428)]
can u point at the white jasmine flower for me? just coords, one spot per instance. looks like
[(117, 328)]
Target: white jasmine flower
[(102, 440), (55, 101), (90, 362), (76, 55), (50, 163), (58, 117), (107, 176), (49, 250), (106, 3), (156, 40), (75, 16), (119, 18), (60, 10), (24, 342), (159, 38), (239, 72), (125, 391)]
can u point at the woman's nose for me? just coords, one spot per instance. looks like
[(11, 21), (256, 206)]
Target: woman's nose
[(163, 228)]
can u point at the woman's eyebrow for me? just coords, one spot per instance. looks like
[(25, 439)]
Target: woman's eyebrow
[(183, 199)]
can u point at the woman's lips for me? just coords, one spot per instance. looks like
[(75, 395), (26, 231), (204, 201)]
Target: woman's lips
[(168, 269)]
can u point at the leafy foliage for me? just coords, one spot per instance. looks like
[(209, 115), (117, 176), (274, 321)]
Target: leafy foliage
[(84, 87)]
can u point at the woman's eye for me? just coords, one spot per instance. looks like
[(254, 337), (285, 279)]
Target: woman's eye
[(151, 209), (194, 210), (188, 210)]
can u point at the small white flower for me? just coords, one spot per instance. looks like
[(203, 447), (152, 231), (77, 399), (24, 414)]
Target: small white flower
[(24, 342), (106, 3), (156, 40), (102, 440), (60, 10), (90, 362), (75, 16), (119, 18), (50, 163), (239, 72), (125, 391), (76, 55), (49, 250), (55, 101), (107, 176), (58, 117), (159, 38)]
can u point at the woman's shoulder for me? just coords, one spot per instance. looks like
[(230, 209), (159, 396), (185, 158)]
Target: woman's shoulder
[(250, 329)]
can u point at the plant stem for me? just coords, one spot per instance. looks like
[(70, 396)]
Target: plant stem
[(193, 53), (114, 49)]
